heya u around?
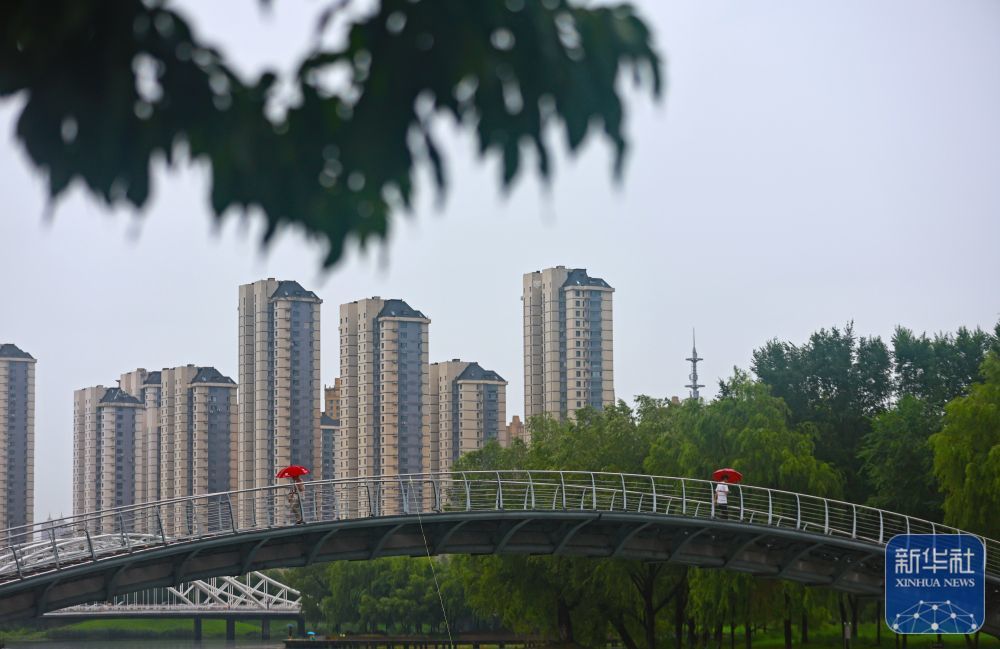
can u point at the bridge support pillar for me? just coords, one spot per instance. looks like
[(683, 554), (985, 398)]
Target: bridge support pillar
[(265, 629), (197, 629), (230, 629), (302, 627)]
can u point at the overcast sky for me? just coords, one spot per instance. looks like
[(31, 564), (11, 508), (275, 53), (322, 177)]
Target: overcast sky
[(810, 164)]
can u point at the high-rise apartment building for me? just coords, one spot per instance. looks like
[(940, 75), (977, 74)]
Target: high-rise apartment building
[(331, 399), (279, 381), (328, 430), (145, 386), (159, 435), (85, 452), (512, 431), (17, 437), (198, 420), (384, 377), (466, 407), (105, 423), (198, 433), (568, 353)]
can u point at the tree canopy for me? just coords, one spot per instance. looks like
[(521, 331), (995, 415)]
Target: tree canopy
[(746, 427), (840, 387), (108, 88), (967, 455), (833, 384), (898, 459)]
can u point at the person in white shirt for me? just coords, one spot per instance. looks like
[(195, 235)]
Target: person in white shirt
[(721, 496)]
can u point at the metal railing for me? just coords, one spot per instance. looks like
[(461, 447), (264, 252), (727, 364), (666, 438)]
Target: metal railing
[(52, 545)]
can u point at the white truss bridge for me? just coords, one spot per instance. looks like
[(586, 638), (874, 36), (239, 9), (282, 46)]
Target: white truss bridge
[(254, 595)]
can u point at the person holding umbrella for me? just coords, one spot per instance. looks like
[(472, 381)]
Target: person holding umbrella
[(295, 473), (721, 494)]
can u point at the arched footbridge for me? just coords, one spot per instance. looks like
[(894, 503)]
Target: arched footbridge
[(765, 532)]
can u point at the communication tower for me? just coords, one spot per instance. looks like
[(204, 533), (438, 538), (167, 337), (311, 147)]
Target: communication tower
[(693, 376)]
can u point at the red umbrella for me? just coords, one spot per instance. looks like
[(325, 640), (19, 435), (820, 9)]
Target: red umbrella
[(731, 475), (293, 471)]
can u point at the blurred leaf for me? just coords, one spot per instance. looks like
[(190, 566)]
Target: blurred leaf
[(108, 86)]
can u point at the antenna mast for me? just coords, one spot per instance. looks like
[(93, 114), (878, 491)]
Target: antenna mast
[(693, 376)]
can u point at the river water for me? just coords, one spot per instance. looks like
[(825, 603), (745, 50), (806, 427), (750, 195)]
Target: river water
[(143, 644)]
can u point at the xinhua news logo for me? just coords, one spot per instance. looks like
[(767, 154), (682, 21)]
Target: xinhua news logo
[(935, 583)]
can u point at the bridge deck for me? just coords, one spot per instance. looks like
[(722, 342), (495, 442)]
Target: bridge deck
[(766, 532)]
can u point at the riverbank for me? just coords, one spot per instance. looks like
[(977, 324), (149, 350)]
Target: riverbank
[(138, 629), (502, 640), (826, 637)]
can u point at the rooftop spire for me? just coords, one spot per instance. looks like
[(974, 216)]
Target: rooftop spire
[(693, 376)]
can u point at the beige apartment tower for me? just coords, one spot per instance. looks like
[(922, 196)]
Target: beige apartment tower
[(331, 399), (466, 407), (159, 435), (197, 449), (17, 437), (513, 431), (328, 430), (568, 352), (105, 426), (279, 383), (198, 419), (384, 379), (145, 386)]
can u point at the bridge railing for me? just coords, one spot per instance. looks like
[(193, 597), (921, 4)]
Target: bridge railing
[(29, 550)]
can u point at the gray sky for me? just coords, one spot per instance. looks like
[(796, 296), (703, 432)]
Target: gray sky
[(811, 163)]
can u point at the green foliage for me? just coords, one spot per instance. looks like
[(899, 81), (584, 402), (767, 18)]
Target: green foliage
[(632, 595), (540, 594), (714, 596), (496, 458), (967, 455), (834, 375), (745, 428), (111, 87), (717, 597), (584, 600), (836, 382), (939, 369), (899, 462), (607, 440), (393, 593), (313, 585), (837, 386)]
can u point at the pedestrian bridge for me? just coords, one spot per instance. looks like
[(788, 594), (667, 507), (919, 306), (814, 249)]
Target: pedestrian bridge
[(765, 532)]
